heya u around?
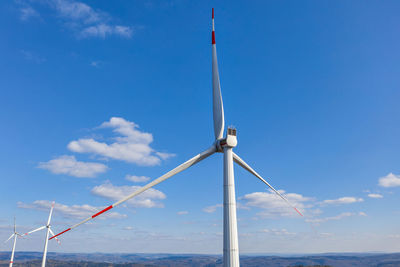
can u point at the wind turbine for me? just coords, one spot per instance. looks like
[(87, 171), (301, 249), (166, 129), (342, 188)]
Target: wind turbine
[(48, 227), (15, 234), (223, 145)]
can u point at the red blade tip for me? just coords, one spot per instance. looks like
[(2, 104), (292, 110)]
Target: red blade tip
[(60, 233), (213, 13), (298, 212), (102, 211)]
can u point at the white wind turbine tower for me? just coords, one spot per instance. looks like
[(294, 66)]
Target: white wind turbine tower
[(222, 145), (49, 231), (15, 234)]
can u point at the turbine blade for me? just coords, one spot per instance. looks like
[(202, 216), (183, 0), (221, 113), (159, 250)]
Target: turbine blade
[(51, 212), (37, 229), (58, 240), (9, 238), (180, 168), (218, 107), (244, 165)]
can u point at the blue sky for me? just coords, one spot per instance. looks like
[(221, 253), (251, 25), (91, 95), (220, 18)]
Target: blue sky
[(99, 97)]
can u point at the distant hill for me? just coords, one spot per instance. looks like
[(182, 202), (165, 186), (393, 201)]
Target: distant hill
[(32, 259)]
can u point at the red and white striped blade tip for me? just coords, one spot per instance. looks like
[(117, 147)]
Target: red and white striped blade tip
[(213, 31)]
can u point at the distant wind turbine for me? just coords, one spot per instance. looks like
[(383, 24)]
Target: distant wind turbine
[(15, 234), (222, 145), (48, 227)]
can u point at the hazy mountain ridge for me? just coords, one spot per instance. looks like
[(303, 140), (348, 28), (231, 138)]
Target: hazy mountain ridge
[(32, 259)]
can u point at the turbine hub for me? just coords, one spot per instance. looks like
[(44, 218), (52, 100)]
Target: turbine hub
[(229, 141)]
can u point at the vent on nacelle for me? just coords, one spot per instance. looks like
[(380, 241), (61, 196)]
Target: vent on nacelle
[(232, 131)]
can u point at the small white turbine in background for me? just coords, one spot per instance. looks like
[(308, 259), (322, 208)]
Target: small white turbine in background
[(15, 235), (49, 231)]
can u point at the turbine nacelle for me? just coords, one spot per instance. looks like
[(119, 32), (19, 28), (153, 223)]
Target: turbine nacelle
[(229, 141)]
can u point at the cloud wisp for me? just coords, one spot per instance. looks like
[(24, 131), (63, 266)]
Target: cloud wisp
[(278, 232), (212, 209), (335, 218), (148, 199), (103, 30), (137, 179), (70, 166), (371, 195), (183, 212), (96, 63), (84, 20), (27, 12), (32, 57), (131, 146), (341, 201)]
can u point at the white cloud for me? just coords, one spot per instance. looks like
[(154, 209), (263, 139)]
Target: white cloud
[(375, 195), (342, 200), (73, 211), (81, 18), (132, 146), (148, 199), (273, 206), (128, 130), (390, 180), (137, 179), (211, 209), (70, 166), (184, 212), (361, 213)]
